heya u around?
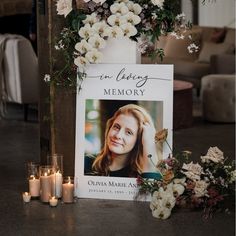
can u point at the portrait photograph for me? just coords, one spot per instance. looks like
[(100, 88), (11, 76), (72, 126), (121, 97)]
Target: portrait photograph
[(115, 128)]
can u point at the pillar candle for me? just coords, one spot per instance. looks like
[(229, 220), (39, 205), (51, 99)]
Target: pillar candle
[(45, 184), (68, 192), (57, 184), (34, 186)]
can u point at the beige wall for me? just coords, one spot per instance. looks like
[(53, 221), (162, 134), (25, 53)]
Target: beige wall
[(220, 13)]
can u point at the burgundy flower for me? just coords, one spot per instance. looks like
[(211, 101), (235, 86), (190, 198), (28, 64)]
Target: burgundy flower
[(190, 185), (139, 180)]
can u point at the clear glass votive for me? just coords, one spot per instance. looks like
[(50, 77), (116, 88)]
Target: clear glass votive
[(68, 189), (53, 201), (33, 179), (26, 197), (46, 173), (56, 161)]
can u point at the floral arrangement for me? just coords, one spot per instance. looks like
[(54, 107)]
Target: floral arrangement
[(90, 23), (186, 184)]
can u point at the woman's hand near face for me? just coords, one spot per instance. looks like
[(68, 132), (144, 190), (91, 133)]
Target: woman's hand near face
[(149, 147)]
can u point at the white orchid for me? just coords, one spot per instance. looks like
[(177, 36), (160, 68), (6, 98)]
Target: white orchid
[(134, 7), (120, 8), (100, 28), (81, 62), (129, 30), (161, 213), (97, 42), (94, 56), (114, 32), (178, 189), (91, 19), (130, 17), (86, 31), (83, 46), (64, 7), (158, 3), (115, 20)]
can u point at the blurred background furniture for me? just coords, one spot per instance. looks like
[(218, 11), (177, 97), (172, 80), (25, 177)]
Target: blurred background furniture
[(19, 71), (218, 97), (182, 105), (192, 67)]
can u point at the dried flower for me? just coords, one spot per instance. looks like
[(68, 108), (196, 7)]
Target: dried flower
[(189, 185), (214, 154), (161, 135)]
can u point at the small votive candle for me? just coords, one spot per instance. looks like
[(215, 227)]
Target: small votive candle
[(26, 197), (53, 201), (68, 190)]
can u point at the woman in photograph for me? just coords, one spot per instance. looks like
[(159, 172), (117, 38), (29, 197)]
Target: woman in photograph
[(129, 145)]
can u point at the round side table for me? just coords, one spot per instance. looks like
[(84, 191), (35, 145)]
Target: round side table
[(182, 105)]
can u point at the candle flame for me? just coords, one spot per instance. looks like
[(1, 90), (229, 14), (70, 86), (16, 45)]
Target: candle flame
[(45, 174), (69, 180)]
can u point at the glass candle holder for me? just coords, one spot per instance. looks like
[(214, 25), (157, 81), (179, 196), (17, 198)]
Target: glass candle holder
[(56, 161), (68, 189), (33, 178), (46, 173), (26, 197)]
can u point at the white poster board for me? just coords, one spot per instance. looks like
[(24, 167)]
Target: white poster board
[(109, 86)]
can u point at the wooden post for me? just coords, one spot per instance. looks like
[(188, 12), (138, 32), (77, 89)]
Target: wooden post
[(57, 105)]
